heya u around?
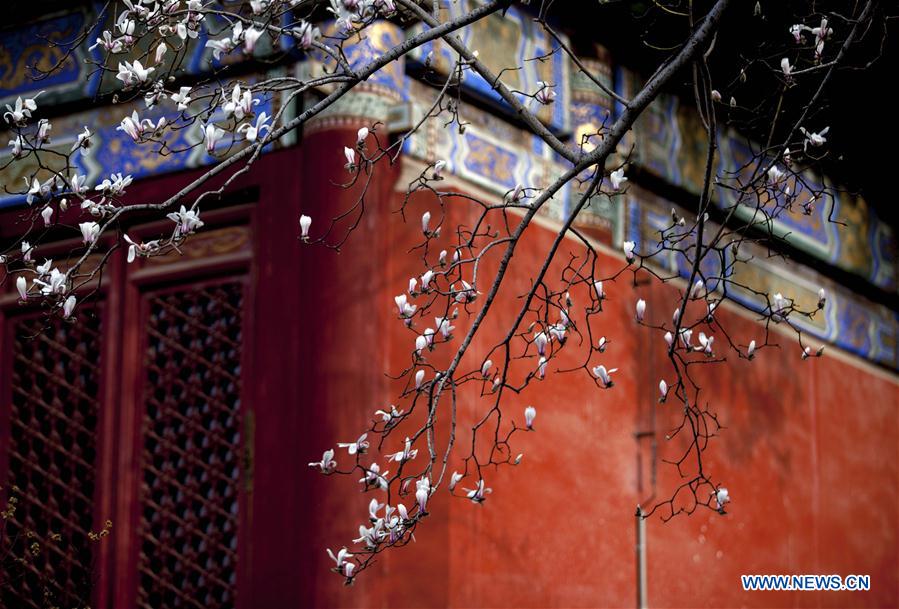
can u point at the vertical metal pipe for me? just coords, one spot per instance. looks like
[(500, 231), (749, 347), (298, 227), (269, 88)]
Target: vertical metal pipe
[(641, 558)]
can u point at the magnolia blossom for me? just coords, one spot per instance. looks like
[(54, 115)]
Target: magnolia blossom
[(669, 338), (26, 251), (604, 376), (305, 223), (716, 96), (404, 455), (628, 248), (132, 125), (21, 112), (89, 232), (815, 140), (750, 351), (721, 498), (822, 298), (706, 342), (780, 305), (241, 103), (188, 220), (530, 413), (616, 178), (775, 174), (425, 222), (361, 136), (306, 35), (485, 368), (540, 341), (327, 464), (422, 492), (213, 136), (16, 146), (182, 98), (341, 558), (787, 69), (43, 131), (426, 279), (22, 287), (133, 73), (640, 309), (541, 368), (466, 294), (68, 307), (600, 294), (439, 166), (454, 480), (114, 185), (47, 215), (444, 327), (405, 309), (388, 416), (253, 130), (545, 94), (350, 155), (478, 494), (419, 377), (663, 390), (375, 477), (250, 37), (806, 353), (360, 446), (83, 141)]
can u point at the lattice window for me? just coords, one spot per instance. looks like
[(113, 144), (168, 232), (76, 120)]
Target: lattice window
[(53, 420), (191, 455)]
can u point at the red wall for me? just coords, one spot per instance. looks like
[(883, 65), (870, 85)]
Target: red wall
[(808, 453)]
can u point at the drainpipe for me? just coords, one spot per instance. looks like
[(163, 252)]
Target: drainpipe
[(641, 559)]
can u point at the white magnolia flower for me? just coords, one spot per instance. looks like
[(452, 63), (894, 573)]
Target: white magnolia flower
[(114, 185), (22, 287), (604, 376), (796, 32), (722, 497), (360, 446), (750, 351), (160, 52), (485, 368), (350, 155), (413, 284), (305, 223), (132, 125), (241, 103), (419, 378), (187, 220), (663, 390), (47, 215), (404, 455), (425, 221), (545, 94), (405, 309), (133, 73), (17, 146), (327, 464), (540, 341), (21, 112), (454, 480), (306, 35), (444, 327), (600, 294), (361, 136), (422, 492), (89, 232), (478, 494), (341, 558), (389, 417), (43, 131), (669, 338), (426, 280), (686, 335), (628, 248), (182, 98), (83, 141), (541, 368), (617, 178), (27, 250), (250, 37), (780, 305), (212, 135), (466, 294), (602, 344), (775, 174), (439, 166), (68, 307), (252, 131), (822, 298), (530, 413), (640, 309), (815, 140), (787, 69), (375, 477), (705, 343)]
